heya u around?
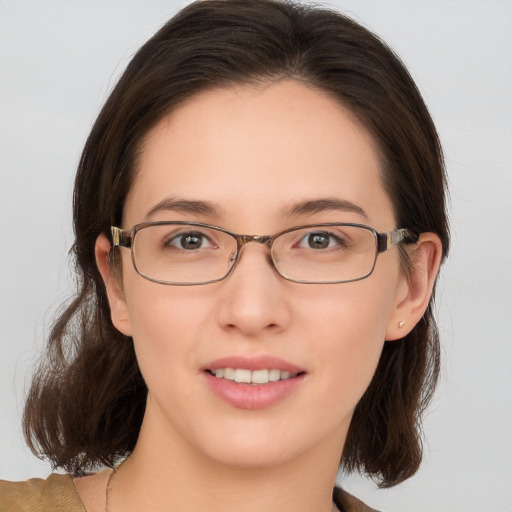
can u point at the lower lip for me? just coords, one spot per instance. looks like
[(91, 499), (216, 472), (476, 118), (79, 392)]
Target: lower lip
[(250, 396)]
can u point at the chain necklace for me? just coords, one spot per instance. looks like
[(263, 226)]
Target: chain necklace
[(108, 489)]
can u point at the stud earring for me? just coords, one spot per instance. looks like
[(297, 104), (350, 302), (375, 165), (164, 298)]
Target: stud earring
[(401, 324)]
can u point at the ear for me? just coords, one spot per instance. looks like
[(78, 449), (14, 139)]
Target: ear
[(413, 294), (118, 307)]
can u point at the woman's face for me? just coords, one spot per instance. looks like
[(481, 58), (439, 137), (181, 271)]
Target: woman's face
[(255, 154)]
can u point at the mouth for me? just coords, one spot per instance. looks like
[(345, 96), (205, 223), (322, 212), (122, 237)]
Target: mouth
[(254, 382), (253, 377)]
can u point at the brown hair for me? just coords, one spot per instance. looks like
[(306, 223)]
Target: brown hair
[(87, 399)]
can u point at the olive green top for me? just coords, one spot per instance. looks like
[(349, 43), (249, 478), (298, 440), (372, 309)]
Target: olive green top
[(58, 494)]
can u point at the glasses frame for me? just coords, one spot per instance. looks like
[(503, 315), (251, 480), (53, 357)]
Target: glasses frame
[(383, 242)]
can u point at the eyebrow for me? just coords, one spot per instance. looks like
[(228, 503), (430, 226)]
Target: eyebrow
[(322, 205), (211, 209), (175, 204)]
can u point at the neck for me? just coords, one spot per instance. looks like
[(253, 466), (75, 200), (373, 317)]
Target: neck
[(176, 477)]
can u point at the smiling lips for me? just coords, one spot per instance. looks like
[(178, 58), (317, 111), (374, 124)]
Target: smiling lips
[(253, 383)]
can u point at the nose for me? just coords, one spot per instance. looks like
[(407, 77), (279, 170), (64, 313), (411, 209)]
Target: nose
[(253, 298)]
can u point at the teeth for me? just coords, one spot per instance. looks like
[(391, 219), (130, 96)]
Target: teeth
[(259, 377), (274, 375), (243, 376), (252, 377), (229, 373)]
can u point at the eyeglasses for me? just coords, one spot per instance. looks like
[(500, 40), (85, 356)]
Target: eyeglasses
[(192, 253)]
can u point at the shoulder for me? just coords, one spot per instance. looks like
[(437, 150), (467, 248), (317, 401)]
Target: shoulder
[(56, 493), (348, 503)]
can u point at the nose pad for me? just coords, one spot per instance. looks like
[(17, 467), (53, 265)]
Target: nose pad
[(232, 259)]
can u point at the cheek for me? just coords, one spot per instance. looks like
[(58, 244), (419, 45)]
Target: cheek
[(348, 328), (165, 326), (356, 311), (160, 312)]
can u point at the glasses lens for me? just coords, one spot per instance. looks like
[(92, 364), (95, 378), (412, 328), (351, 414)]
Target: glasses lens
[(183, 253), (322, 254)]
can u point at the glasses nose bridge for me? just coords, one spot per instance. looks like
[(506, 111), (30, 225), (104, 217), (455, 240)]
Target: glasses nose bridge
[(242, 240)]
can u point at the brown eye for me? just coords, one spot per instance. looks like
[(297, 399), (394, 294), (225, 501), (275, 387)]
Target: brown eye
[(318, 240), (321, 240), (189, 241)]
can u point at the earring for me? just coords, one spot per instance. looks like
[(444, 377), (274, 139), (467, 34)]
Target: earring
[(401, 324)]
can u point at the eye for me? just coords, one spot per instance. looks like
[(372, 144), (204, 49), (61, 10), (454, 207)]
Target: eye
[(190, 241), (321, 240)]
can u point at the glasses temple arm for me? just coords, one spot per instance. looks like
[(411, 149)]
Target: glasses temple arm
[(387, 240), (120, 238)]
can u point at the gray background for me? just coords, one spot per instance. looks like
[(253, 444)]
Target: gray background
[(59, 59)]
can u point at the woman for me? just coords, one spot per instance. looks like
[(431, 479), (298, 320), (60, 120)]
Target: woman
[(259, 217)]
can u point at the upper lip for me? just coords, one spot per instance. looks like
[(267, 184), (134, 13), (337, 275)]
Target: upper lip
[(253, 363)]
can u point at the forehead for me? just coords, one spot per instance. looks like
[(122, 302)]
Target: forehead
[(255, 150)]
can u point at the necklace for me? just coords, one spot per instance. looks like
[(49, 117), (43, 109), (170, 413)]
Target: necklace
[(109, 484)]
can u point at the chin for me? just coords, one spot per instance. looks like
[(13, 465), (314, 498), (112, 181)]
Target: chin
[(252, 457), (260, 444)]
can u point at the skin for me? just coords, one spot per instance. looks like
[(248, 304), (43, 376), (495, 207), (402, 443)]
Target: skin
[(254, 151)]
